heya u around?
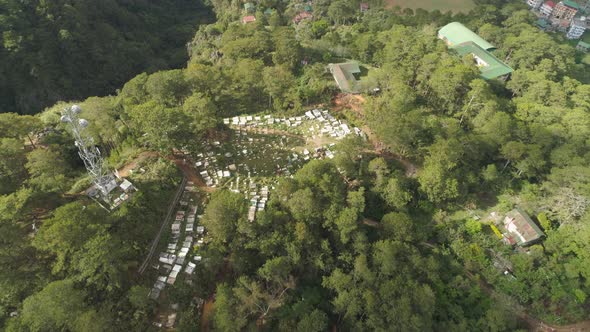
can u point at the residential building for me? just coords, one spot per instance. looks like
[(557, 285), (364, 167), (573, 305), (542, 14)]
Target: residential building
[(344, 76), (565, 10), (534, 3), (302, 16), (577, 28), (547, 8), (364, 7), (583, 46), (466, 42), (520, 229)]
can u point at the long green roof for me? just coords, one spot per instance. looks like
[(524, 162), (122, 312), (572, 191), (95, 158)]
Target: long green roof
[(492, 68), (456, 33), (571, 4)]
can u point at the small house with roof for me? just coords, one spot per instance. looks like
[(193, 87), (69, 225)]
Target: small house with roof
[(364, 6), (302, 16), (466, 42), (547, 8), (520, 229), (248, 19)]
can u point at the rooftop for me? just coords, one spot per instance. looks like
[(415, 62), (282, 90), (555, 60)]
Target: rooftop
[(456, 33), (344, 75), (248, 19), (521, 229), (489, 66), (549, 3), (571, 4), (543, 23)]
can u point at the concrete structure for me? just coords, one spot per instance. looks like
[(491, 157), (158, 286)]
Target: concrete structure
[(534, 3), (520, 229), (466, 42), (547, 8), (565, 10), (577, 28)]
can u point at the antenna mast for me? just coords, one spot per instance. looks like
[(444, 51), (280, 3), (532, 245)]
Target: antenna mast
[(102, 178)]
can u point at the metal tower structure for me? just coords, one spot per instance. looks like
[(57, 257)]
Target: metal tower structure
[(102, 178)]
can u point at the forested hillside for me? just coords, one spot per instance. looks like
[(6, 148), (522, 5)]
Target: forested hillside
[(62, 50), (394, 233)]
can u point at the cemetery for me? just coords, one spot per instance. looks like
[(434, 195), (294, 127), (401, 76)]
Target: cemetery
[(261, 148), (249, 159), (179, 256)]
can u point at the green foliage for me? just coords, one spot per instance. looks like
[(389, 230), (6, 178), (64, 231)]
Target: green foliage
[(222, 215), (106, 42), (59, 305), (48, 170)]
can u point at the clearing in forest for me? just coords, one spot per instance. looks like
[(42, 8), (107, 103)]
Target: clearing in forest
[(456, 6)]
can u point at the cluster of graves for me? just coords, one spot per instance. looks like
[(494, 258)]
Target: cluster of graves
[(258, 200), (181, 255), (318, 121), (263, 148)]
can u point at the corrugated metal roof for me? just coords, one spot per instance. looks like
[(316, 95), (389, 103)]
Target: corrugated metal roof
[(456, 33), (526, 231), (343, 75), (571, 4), (490, 67)]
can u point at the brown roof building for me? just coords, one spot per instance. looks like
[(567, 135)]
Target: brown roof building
[(248, 19), (520, 229)]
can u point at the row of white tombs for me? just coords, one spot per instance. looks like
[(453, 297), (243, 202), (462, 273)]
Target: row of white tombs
[(177, 256)]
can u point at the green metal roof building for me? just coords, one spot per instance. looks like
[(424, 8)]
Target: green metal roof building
[(489, 66), (250, 7), (456, 33), (344, 76), (571, 4), (465, 41)]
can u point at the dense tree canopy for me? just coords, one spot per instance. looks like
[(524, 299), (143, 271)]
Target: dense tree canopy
[(394, 232)]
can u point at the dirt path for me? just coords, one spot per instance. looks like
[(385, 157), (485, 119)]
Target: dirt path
[(539, 326), (185, 164), (125, 171), (206, 314)]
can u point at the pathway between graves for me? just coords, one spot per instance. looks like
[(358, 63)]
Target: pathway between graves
[(165, 222)]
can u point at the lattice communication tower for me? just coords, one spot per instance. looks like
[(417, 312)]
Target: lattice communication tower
[(102, 178)]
